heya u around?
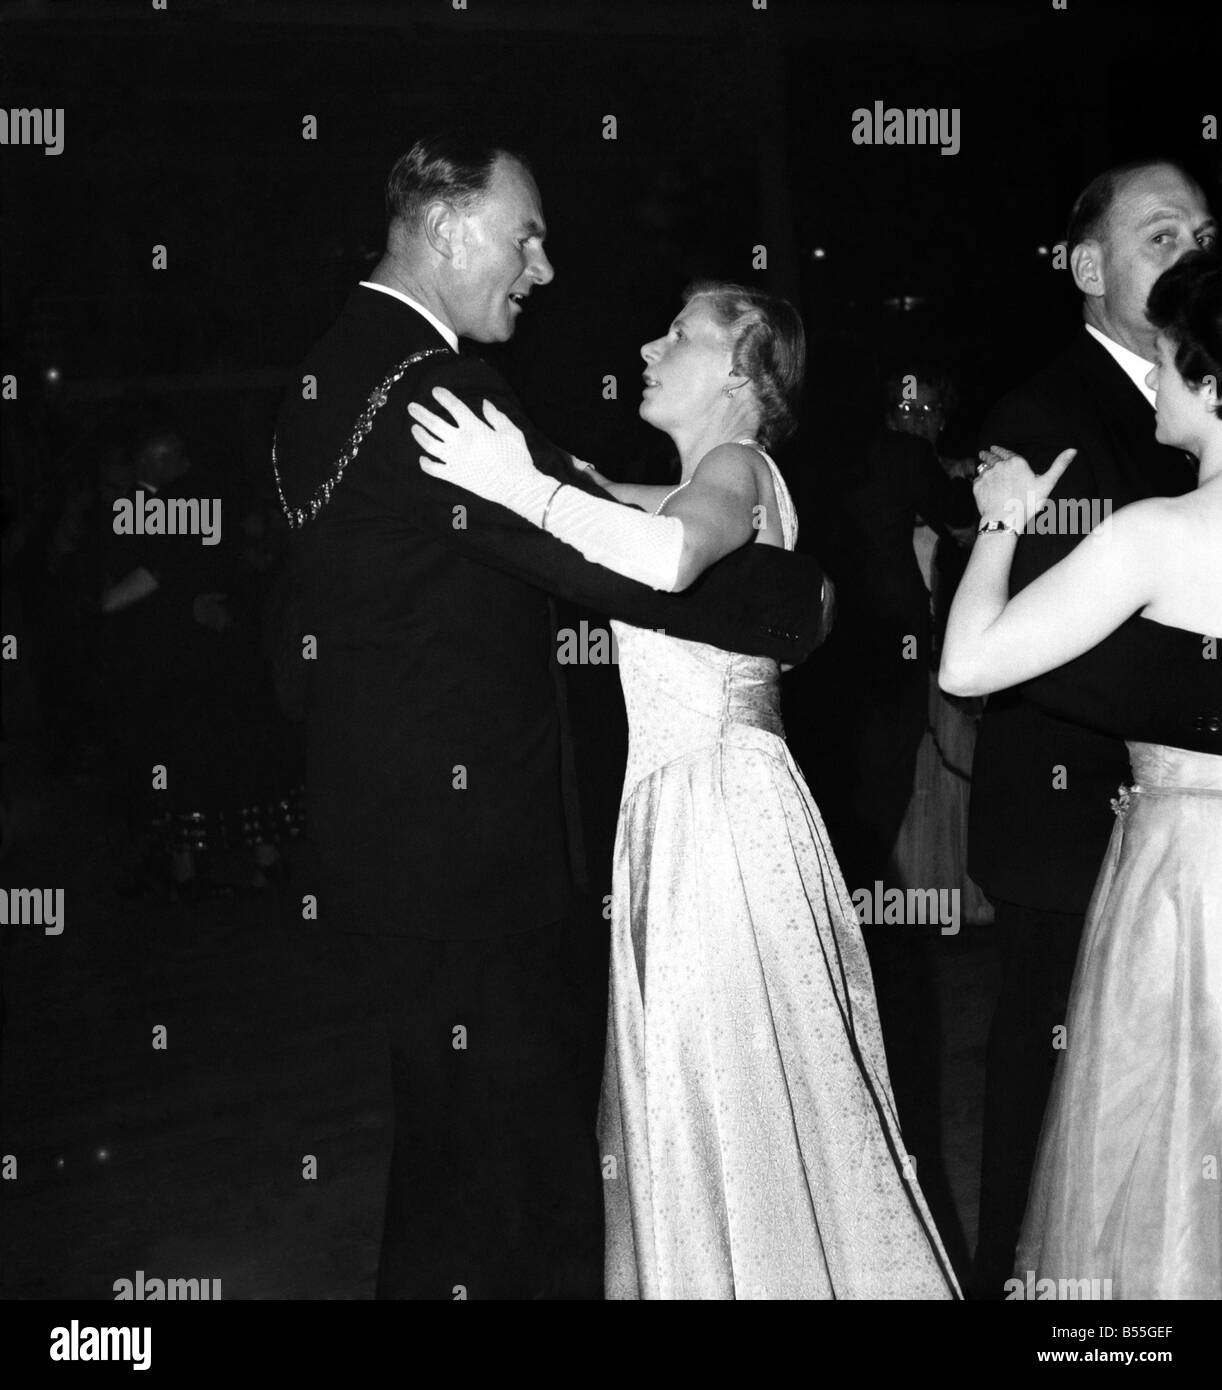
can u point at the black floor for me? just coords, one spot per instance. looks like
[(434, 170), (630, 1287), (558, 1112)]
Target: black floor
[(194, 1160)]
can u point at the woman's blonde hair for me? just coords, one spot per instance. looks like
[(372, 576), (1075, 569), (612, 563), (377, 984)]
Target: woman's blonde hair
[(768, 343)]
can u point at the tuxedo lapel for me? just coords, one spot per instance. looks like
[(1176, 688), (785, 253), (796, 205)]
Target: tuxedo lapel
[(1108, 397)]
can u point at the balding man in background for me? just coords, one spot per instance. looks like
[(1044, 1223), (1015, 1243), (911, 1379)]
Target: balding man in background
[(1042, 782)]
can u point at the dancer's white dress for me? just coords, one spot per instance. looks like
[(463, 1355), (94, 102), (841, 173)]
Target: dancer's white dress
[(750, 1141), (1126, 1199)]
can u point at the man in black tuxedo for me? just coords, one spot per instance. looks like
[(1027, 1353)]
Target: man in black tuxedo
[(1041, 786), (437, 802)]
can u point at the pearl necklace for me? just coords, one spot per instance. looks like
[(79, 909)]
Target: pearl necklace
[(658, 509)]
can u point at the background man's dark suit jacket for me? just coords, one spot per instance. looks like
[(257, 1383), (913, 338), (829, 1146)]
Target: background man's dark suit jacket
[(900, 480), (435, 640), (1030, 843), (883, 605)]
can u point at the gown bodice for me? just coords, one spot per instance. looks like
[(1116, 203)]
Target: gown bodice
[(1145, 683), (683, 697)]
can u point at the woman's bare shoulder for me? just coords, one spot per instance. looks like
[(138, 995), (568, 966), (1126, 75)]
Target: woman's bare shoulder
[(1148, 519), (733, 467)]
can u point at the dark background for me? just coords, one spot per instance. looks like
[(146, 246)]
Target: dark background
[(183, 127)]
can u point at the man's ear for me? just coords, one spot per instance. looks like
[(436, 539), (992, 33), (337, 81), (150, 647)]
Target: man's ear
[(443, 231), (1086, 265)]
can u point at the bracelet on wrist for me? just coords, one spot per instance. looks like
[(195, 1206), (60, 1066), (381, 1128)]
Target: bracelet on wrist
[(988, 527), (546, 509)]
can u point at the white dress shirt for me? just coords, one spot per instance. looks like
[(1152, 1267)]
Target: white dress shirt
[(1134, 367), (447, 333)]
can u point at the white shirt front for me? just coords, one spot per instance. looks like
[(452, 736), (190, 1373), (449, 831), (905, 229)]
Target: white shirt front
[(1134, 367), (447, 333)]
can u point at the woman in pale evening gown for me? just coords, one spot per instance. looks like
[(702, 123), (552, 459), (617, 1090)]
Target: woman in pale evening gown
[(747, 1126), (1126, 1189)]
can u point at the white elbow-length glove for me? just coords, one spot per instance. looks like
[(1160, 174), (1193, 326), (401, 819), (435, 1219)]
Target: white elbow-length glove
[(492, 460)]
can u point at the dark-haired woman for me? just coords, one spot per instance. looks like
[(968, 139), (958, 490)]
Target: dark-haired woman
[(1126, 1192), (748, 1129)]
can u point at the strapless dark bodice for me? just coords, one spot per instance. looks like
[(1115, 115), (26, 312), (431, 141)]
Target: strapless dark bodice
[(1157, 684)]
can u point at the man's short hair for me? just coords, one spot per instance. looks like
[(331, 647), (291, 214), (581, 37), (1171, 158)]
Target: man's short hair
[(453, 166), (1089, 216)]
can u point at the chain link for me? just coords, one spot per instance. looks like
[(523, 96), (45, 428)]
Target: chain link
[(298, 516)]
